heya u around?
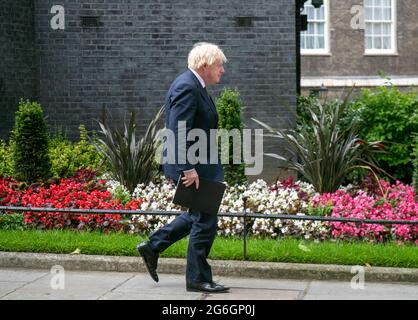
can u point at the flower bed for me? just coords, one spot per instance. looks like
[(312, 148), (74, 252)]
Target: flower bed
[(77, 193), (259, 197), (9, 192), (396, 202)]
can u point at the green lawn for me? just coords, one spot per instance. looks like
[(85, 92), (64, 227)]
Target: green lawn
[(283, 250)]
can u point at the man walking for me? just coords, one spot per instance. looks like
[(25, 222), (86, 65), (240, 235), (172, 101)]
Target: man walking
[(188, 106)]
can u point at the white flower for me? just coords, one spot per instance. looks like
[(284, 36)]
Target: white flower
[(259, 199), (144, 206), (154, 206)]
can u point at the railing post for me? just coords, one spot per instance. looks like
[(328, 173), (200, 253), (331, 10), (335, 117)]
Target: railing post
[(245, 227)]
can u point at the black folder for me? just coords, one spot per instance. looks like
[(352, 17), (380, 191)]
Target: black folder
[(206, 199)]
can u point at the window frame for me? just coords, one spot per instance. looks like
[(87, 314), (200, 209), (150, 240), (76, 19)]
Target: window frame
[(326, 49), (393, 34)]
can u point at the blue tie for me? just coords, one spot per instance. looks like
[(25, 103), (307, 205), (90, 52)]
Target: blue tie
[(207, 94)]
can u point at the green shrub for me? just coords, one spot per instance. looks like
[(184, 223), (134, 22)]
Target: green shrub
[(6, 165), (229, 111), (67, 157), (121, 194), (29, 143), (390, 116), (12, 221), (304, 104)]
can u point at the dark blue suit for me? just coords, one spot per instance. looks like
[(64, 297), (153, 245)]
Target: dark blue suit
[(188, 101)]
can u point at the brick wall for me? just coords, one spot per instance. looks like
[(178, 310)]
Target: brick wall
[(17, 59), (347, 45), (129, 61)]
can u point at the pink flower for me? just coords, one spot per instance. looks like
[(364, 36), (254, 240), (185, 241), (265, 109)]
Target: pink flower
[(399, 204)]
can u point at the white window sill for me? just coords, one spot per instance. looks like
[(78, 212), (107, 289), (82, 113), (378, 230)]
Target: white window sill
[(371, 54), (365, 81), (307, 53)]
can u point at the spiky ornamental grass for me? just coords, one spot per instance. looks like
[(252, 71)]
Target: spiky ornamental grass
[(323, 151), (131, 161)]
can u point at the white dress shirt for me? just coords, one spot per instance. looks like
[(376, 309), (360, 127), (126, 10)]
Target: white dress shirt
[(202, 82)]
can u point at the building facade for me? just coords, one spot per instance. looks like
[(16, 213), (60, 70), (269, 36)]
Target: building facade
[(74, 57), (356, 41)]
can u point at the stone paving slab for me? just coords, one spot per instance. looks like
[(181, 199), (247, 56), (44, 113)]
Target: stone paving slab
[(22, 284), (141, 286), (333, 290), (21, 276), (243, 293), (77, 286)]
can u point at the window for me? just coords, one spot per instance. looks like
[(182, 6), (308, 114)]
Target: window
[(380, 31), (316, 39)]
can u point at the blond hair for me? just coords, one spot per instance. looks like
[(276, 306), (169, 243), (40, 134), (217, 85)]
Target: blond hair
[(205, 53)]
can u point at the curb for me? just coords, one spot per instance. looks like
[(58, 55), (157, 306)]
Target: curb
[(230, 268)]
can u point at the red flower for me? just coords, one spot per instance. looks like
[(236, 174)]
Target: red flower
[(82, 191)]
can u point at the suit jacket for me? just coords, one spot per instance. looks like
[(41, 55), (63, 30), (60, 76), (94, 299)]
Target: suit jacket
[(188, 101)]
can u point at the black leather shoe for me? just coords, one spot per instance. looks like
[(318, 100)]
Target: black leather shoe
[(150, 259), (210, 287)]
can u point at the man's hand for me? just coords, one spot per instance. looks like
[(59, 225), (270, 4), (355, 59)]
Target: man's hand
[(190, 177)]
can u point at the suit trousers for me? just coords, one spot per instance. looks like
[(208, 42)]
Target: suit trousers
[(202, 228)]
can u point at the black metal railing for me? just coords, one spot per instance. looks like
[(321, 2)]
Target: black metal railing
[(245, 215)]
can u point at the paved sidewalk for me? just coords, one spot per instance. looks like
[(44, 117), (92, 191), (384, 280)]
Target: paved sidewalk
[(44, 284), (89, 277), (239, 269)]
